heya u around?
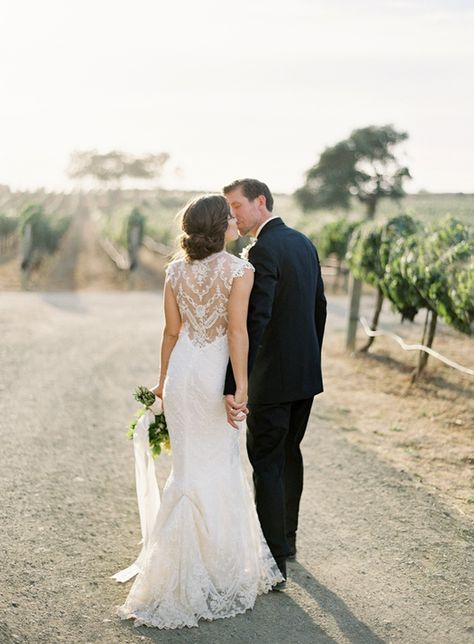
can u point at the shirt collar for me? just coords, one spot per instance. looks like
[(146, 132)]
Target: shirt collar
[(264, 223)]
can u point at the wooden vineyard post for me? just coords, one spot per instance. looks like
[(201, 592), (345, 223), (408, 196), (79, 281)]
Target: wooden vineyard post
[(355, 291), (26, 254), (134, 242), (423, 355), (375, 320)]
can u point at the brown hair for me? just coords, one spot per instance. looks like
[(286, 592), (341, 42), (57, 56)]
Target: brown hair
[(204, 222), (252, 188)]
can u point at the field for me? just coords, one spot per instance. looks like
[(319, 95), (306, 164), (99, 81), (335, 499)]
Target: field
[(108, 209), (428, 208)]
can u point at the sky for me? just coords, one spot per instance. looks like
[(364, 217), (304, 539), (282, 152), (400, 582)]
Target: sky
[(256, 88)]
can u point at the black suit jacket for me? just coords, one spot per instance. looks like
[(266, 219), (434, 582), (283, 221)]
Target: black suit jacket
[(286, 318)]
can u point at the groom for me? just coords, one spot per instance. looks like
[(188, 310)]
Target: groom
[(286, 318)]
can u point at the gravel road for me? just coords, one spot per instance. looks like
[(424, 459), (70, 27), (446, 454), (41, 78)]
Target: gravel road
[(380, 558)]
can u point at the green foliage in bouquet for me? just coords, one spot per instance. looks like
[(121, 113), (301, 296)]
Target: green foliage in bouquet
[(158, 435), (144, 396)]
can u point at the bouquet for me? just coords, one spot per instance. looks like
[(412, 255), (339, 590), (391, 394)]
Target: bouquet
[(158, 431)]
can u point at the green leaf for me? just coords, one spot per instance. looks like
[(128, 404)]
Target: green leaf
[(144, 396)]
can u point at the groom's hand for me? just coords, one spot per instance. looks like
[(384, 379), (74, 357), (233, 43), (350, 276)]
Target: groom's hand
[(236, 412)]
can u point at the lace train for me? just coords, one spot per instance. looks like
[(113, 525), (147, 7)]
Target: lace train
[(185, 579)]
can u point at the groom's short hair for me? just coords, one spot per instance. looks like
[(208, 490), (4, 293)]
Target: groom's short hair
[(252, 188)]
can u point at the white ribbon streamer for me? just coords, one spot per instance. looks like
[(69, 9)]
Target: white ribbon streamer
[(148, 493), (415, 347)]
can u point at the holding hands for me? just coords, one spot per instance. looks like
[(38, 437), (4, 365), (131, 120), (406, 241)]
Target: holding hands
[(236, 408)]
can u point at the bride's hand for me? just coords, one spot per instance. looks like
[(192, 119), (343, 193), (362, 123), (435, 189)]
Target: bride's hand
[(158, 391)]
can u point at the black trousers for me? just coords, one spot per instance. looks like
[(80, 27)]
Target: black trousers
[(274, 434)]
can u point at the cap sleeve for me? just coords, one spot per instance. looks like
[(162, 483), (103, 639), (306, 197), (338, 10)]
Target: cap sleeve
[(172, 272), (241, 266)]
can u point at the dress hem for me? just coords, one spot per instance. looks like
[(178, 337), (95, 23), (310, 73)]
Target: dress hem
[(139, 621)]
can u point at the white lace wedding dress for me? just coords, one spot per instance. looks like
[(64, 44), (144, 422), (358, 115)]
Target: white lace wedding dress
[(207, 556)]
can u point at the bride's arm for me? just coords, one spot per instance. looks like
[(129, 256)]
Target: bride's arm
[(170, 335), (237, 335)]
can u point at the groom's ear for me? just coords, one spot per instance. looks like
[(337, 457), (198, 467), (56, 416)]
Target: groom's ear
[(261, 201)]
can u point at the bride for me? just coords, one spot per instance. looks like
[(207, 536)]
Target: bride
[(207, 556)]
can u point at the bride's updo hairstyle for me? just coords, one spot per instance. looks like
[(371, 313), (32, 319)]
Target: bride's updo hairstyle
[(204, 222)]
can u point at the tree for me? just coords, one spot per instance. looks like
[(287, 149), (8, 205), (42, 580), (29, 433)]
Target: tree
[(114, 166), (363, 166), (148, 166)]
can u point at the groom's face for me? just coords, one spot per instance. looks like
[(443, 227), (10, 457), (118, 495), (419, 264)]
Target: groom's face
[(246, 211)]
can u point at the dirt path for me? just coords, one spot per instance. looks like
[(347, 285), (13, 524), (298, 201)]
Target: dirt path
[(58, 272), (381, 559), (10, 273)]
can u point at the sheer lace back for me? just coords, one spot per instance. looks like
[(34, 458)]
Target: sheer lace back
[(202, 289)]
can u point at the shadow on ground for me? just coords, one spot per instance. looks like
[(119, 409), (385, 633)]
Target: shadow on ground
[(279, 617)]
